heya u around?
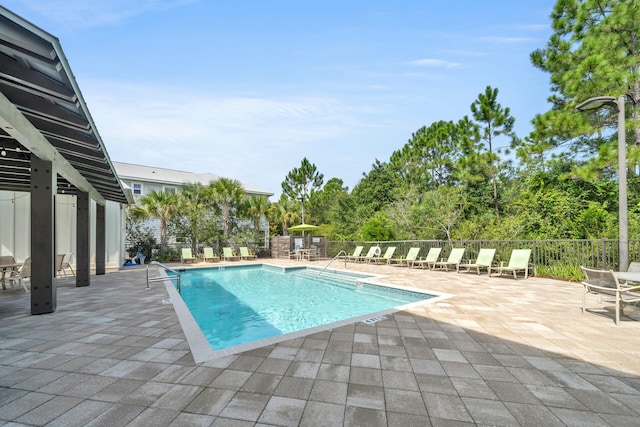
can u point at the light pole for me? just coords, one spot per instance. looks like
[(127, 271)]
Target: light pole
[(623, 233)]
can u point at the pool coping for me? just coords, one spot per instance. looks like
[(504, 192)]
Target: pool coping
[(203, 352)]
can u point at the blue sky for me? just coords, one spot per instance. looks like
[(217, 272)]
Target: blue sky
[(247, 89)]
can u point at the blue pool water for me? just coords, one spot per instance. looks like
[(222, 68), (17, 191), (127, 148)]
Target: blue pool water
[(237, 305)]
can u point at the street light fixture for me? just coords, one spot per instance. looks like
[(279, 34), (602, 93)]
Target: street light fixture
[(623, 233)]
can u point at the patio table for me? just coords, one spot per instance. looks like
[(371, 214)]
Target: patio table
[(628, 276)]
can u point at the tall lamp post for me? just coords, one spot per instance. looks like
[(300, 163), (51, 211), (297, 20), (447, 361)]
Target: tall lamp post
[(623, 233)]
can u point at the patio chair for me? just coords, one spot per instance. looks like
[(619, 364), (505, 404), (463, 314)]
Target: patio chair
[(66, 264), (227, 254), (187, 255), (24, 272), (412, 255), (429, 260), (519, 261), (455, 257), (208, 255), (9, 262), (484, 260), (605, 282), (355, 255), (373, 252), (244, 253), (388, 254)]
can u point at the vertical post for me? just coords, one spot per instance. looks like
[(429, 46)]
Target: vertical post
[(622, 188), (82, 239), (43, 189), (100, 239)]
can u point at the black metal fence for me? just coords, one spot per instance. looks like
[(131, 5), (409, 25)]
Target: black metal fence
[(550, 258)]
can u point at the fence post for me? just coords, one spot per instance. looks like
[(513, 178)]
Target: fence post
[(604, 253), (534, 258)]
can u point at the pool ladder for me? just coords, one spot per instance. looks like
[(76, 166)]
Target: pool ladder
[(333, 259), (161, 279)]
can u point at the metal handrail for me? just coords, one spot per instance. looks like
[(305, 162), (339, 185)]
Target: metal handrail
[(160, 279), (333, 259)]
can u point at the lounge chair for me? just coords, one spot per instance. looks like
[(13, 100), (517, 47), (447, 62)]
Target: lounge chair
[(455, 257), (519, 261), (429, 260), (355, 255), (605, 282), (227, 255), (388, 254), (484, 260), (187, 256), (373, 252), (244, 253), (412, 255), (209, 255), (23, 273)]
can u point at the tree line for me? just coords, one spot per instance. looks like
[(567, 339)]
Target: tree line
[(476, 179)]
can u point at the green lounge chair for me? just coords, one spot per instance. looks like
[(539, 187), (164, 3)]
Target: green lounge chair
[(519, 261), (209, 255), (412, 255), (388, 254), (429, 260), (355, 255), (227, 255), (484, 260), (244, 253), (373, 252), (455, 257), (187, 256)]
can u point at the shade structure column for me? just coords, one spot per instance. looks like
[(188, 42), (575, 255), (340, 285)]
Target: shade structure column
[(82, 239), (100, 239), (43, 189)]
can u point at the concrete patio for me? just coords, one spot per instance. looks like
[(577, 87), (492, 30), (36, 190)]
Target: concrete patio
[(500, 352)]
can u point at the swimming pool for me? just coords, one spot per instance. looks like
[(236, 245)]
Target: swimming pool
[(239, 305)]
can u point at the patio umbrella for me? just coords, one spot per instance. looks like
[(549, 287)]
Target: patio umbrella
[(303, 227)]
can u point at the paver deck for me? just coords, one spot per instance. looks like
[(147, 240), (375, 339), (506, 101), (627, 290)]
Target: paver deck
[(500, 352)]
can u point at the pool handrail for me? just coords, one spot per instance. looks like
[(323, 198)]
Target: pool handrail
[(160, 279), (333, 259)]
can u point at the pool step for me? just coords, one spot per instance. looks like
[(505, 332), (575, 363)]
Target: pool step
[(327, 277)]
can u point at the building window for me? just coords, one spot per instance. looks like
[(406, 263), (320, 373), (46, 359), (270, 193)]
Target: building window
[(137, 188), (171, 190)]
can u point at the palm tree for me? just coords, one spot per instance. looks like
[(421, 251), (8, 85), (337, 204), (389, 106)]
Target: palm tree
[(284, 212), (160, 205), (256, 209), (228, 194)]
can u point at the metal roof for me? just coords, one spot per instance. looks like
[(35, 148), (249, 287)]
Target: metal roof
[(164, 176), (42, 113)]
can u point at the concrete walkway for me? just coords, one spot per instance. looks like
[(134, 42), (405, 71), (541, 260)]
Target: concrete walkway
[(500, 352)]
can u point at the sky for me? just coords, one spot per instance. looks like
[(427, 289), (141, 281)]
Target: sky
[(247, 89)]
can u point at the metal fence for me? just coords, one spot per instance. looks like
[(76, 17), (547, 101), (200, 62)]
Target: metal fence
[(549, 258)]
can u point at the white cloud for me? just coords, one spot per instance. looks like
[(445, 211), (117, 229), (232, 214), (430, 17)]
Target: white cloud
[(254, 139), (432, 62)]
